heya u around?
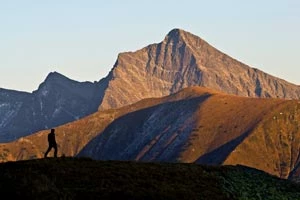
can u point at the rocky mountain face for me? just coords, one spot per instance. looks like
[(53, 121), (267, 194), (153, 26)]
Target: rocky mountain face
[(10, 104), (58, 100), (181, 60)]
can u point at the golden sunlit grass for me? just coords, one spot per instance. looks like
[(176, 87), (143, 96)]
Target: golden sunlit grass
[(274, 144), (223, 118)]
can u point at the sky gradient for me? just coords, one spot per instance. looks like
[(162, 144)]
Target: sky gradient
[(82, 39)]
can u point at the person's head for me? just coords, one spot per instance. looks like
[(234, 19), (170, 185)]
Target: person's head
[(52, 130)]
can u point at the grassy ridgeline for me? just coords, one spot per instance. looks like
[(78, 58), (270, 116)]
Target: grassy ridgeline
[(83, 178)]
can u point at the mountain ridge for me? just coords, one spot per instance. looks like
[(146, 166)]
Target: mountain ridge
[(192, 125), (57, 100)]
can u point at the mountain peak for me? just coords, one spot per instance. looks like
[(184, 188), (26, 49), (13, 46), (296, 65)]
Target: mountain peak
[(58, 78), (175, 34), (180, 35), (55, 75)]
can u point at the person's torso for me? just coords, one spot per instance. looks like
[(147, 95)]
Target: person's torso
[(51, 138)]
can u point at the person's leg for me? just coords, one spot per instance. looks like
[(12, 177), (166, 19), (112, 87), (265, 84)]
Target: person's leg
[(55, 150), (48, 150)]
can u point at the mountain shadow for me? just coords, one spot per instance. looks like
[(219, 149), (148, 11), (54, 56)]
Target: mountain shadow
[(138, 135), (218, 155)]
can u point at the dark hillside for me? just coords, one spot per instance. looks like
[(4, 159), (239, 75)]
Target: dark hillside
[(82, 178)]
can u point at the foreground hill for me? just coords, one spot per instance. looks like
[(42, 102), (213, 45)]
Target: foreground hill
[(69, 178), (194, 125)]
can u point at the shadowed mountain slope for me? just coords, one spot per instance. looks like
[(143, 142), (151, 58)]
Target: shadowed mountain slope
[(58, 100), (209, 129), (194, 125)]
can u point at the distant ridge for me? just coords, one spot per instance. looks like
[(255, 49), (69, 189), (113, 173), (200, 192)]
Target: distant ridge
[(58, 100)]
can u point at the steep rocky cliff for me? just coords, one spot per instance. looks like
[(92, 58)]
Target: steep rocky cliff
[(181, 60)]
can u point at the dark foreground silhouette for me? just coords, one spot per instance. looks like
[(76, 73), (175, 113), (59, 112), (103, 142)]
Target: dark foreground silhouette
[(83, 178), (51, 143)]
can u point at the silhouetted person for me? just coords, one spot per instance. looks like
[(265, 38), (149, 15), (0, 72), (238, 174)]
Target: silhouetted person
[(52, 143)]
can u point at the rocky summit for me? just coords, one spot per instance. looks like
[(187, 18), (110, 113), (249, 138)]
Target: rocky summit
[(181, 60)]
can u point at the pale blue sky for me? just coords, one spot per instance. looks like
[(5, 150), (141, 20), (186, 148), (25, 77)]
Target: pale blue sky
[(82, 39)]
